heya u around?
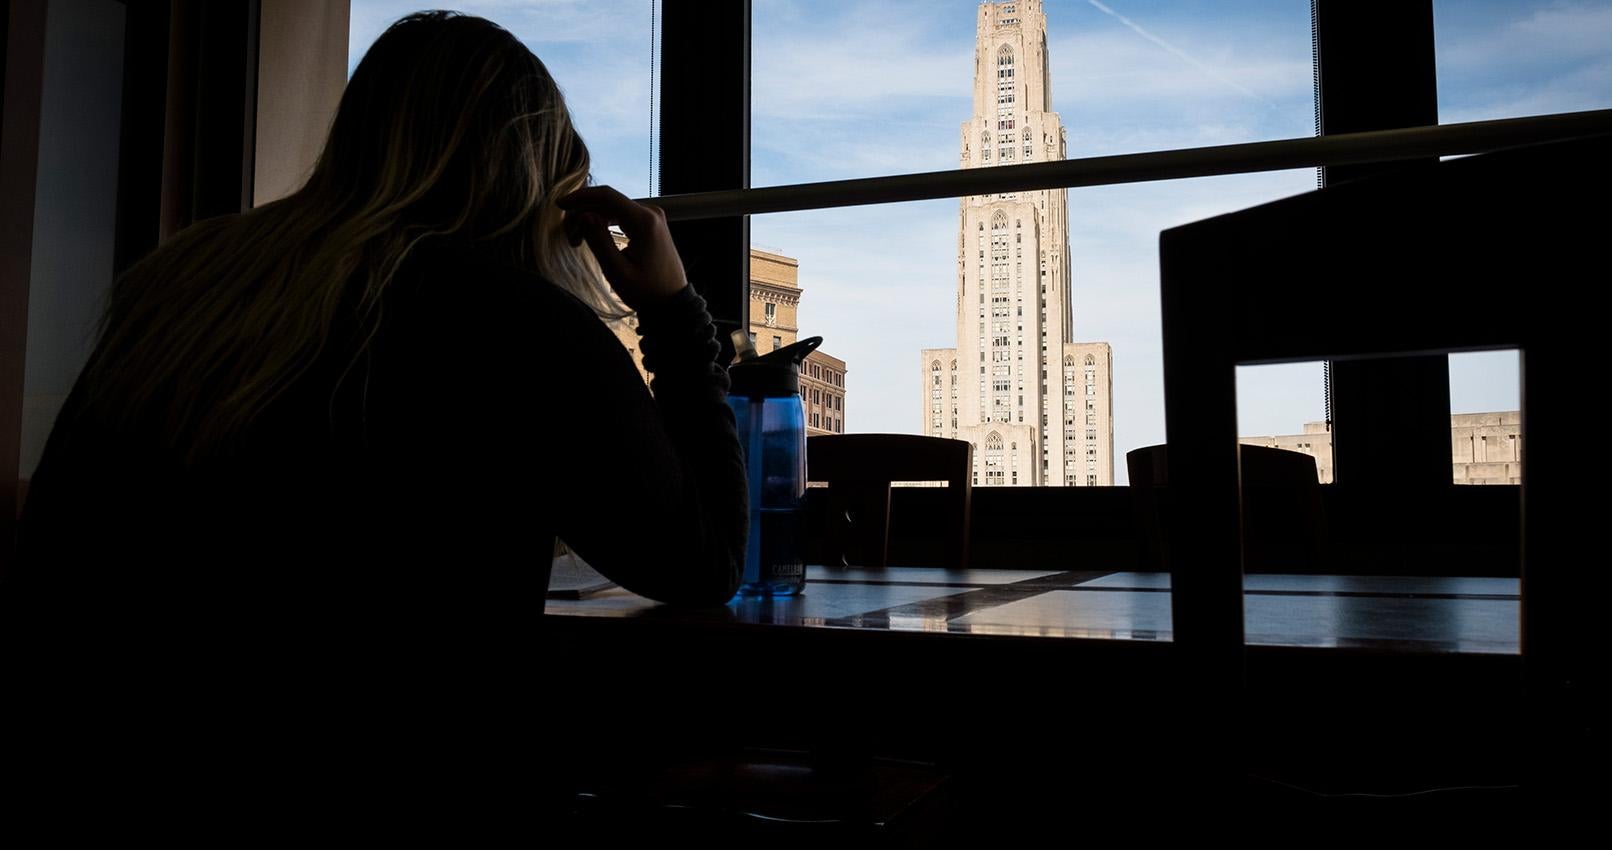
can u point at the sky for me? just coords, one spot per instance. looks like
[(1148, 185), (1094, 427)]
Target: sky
[(857, 88)]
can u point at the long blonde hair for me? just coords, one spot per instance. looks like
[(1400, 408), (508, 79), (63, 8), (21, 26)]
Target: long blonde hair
[(448, 127)]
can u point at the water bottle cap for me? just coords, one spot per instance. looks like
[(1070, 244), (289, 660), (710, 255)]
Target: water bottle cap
[(775, 374)]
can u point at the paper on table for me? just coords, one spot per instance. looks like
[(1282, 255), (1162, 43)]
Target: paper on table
[(572, 578)]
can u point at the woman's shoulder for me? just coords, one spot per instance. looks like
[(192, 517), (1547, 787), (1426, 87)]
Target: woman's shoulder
[(453, 289), (449, 268)]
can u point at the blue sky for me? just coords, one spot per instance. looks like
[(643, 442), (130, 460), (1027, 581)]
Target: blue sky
[(867, 87)]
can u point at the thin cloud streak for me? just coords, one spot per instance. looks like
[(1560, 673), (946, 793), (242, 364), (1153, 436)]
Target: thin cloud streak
[(1182, 54)]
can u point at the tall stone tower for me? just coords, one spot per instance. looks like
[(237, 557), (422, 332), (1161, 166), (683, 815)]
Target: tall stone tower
[(1036, 404)]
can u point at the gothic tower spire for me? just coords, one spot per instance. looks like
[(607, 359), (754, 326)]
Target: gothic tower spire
[(1010, 386)]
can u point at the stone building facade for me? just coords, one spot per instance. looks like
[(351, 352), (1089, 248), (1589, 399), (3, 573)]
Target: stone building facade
[(1315, 441), (1486, 448), (774, 308), (1037, 406)]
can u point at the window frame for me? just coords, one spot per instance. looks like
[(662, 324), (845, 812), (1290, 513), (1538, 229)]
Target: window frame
[(1333, 24)]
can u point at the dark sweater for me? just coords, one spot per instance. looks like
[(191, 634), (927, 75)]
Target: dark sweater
[(360, 581)]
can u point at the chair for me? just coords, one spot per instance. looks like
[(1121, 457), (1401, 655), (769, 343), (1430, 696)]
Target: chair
[(851, 519), (1485, 252), (1284, 521)]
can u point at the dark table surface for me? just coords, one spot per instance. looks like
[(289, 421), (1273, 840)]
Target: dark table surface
[(1396, 613)]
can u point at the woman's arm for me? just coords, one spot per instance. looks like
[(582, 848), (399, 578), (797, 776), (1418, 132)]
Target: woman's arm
[(661, 484)]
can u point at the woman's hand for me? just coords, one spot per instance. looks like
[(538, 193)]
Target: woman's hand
[(648, 269)]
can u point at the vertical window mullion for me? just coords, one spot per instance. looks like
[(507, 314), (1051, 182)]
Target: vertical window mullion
[(1375, 71), (705, 146)]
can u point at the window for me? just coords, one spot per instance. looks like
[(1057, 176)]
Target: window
[(1485, 417), (777, 343), (814, 123), (1276, 404), (1110, 258), (1271, 114), (901, 325)]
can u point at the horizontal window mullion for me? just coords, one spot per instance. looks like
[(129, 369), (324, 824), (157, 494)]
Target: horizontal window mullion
[(1282, 154)]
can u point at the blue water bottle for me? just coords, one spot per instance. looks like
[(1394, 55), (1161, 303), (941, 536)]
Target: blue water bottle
[(765, 396)]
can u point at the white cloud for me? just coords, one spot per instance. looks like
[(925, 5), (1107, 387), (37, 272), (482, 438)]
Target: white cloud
[(1106, 65), (1551, 33), (860, 90), (807, 153), (1565, 29), (850, 91), (1537, 58), (1210, 70), (853, 71)]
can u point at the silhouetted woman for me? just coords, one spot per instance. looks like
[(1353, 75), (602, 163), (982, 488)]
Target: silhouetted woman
[(288, 545)]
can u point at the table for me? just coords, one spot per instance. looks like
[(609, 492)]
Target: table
[(1379, 613), (1043, 681)]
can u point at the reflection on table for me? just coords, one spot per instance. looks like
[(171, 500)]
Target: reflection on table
[(1396, 613)]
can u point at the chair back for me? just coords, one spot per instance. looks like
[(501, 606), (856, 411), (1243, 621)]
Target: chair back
[(1284, 519), (851, 515), (1493, 251)]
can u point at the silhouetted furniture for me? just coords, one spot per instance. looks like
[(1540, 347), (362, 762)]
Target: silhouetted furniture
[(938, 684), (1284, 523), (851, 522), (843, 791), (1485, 252)]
